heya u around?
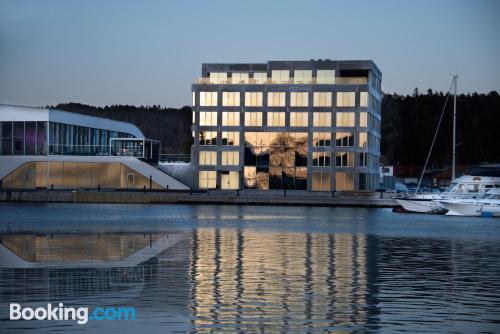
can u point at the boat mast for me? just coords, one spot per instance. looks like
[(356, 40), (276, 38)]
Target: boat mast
[(455, 77)]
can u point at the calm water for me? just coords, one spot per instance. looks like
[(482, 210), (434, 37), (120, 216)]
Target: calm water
[(188, 268)]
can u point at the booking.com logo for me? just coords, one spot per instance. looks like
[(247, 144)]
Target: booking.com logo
[(80, 314)]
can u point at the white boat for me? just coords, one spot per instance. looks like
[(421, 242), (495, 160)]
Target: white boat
[(487, 205), (463, 187)]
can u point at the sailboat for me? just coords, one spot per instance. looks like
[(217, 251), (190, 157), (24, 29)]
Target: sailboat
[(467, 186)]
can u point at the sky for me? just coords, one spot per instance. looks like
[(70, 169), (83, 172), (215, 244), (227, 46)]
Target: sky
[(149, 52)]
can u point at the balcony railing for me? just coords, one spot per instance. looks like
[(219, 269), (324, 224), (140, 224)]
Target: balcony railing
[(291, 81)]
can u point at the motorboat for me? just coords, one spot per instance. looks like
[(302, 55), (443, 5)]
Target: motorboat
[(487, 205), (463, 187)]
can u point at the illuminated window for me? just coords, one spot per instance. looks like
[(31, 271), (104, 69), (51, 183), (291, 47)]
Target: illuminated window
[(363, 119), (208, 158), (253, 118), (325, 76), (231, 99), (321, 159), (230, 180), (302, 76), (260, 77), (346, 99), (230, 138), (276, 99), (239, 78), (208, 118), (194, 99), (321, 181), (298, 119), (230, 158), (208, 137), (344, 139), (275, 119), (322, 119), (218, 77), (253, 99), (208, 99), (194, 117), (299, 99), (363, 159), (344, 181), (345, 119), (321, 138), (322, 99), (280, 76), (363, 99), (363, 141), (230, 118), (207, 179), (344, 159)]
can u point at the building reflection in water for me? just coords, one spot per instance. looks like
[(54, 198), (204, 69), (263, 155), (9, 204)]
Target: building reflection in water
[(244, 280)]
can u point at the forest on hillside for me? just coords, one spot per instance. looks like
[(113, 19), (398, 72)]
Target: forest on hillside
[(408, 126)]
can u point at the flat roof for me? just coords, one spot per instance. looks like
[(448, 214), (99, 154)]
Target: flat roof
[(10, 113)]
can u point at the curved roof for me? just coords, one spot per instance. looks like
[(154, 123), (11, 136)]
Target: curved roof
[(10, 113)]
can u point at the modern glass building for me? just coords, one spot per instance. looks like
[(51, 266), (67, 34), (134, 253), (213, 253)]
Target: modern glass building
[(47, 148), (298, 125)]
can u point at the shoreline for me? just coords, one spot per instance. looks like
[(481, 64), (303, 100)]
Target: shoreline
[(211, 197)]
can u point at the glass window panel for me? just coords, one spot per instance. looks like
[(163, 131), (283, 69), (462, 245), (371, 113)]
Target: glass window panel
[(239, 78), (321, 138), (299, 99), (363, 139), (231, 99), (321, 159), (253, 99), (322, 119), (208, 118), (298, 118), (344, 181), (275, 119), (344, 159), (321, 181), (344, 139), (253, 118), (30, 138), (207, 179), (345, 119), (207, 158), (363, 119), (346, 99), (322, 99), (276, 99), (208, 99), (218, 77), (302, 76), (231, 118), (363, 99), (280, 76), (208, 137), (260, 77), (231, 158), (7, 138), (231, 138), (325, 76)]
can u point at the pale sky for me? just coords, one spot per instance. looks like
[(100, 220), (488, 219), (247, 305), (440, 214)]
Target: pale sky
[(149, 52)]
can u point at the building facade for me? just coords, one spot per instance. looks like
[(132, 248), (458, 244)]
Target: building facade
[(48, 148), (298, 125)]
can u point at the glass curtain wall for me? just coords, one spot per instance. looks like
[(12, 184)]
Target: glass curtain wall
[(23, 138)]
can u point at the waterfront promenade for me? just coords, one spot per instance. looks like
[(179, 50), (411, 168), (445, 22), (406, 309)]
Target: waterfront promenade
[(279, 197)]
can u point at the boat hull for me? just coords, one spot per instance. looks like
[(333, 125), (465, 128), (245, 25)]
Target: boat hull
[(470, 209), (420, 205)]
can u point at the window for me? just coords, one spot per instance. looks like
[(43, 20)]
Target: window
[(322, 119), (194, 99), (363, 119), (260, 77), (302, 76), (363, 99), (231, 99), (231, 158), (218, 77), (344, 181), (230, 118), (363, 141), (276, 99), (344, 159), (208, 158), (346, 99), (275, 119), (280, 76), (344, 139), (208, 99), (208, 118), (345, 119), (208, 137), (322, 99), (207, 179), (321, 181), (325, 76), (253, 118), (299, 99), (321, 159), (239, 78), (321, 138), (231, 138), (363, 159), (253, 99), (229, 180), (194, 117), (298, 119)]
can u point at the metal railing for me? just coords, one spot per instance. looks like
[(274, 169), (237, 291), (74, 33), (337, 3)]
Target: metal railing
[(269, 81)]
